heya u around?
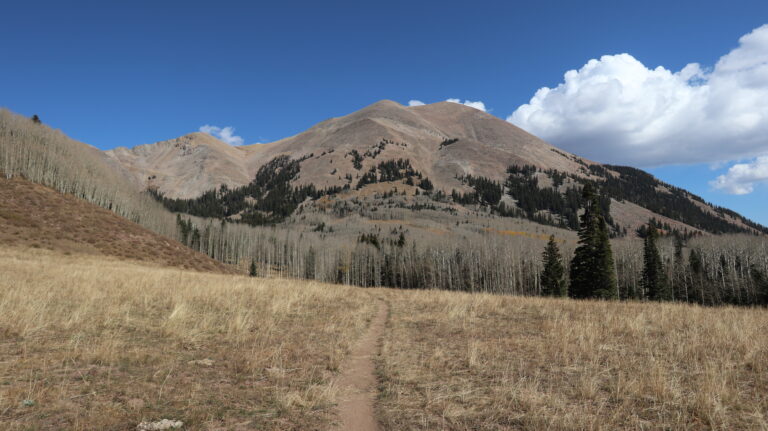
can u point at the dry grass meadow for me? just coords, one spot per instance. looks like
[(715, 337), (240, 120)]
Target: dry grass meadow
[(100, 344), (480, 362), (96, 343)]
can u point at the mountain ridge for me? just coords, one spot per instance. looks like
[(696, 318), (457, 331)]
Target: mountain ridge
[(447, 143), (425, 127)]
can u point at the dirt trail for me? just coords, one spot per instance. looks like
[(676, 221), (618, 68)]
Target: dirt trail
[(357, 382)]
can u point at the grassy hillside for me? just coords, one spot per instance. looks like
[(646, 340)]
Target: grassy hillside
[(47, 156), (95, 343), (37, 216)]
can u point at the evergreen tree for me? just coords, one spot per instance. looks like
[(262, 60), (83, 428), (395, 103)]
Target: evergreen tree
[(552, 283), (761, 285), (401, 240), (36, 119), (252, 270), (605, 286), (592, 269), (654, 279)]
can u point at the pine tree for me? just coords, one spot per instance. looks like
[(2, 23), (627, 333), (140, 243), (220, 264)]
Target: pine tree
[(401, 240), (252, 270), (552, 283), (605, 286), (592, 269), (654, 279), (36, 119), (761, 285)]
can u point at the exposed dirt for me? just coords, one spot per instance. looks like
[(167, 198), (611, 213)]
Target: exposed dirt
[(357, 382)]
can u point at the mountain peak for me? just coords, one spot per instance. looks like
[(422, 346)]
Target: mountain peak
[(386, 103), (199, 138), (380, 106)]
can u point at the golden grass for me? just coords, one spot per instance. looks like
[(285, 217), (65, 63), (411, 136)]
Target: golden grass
[(101, 344), (481, 362)]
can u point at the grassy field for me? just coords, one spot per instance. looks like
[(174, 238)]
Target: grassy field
[(99, 344), (481, 362), (90, 342)]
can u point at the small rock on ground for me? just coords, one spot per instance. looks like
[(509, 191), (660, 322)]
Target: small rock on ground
[(164, 424), (202, 362)]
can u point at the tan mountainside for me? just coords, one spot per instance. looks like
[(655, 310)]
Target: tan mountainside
[(443, 141), (185, 166), (486, 146)]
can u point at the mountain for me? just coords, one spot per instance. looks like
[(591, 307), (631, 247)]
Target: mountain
[(414, 202), (485, 146), (185, 166), (462, 152)]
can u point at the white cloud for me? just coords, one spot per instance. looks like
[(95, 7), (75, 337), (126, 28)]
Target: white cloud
[(617, 110), (477, 105), (226, 134), (741, 178)]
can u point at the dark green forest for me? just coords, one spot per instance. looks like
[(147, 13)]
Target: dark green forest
[(272, 197)]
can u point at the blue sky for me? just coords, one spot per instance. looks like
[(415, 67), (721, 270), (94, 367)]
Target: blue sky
[(123, 75)]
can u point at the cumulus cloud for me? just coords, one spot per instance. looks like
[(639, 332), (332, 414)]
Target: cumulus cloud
[(477, 105), (415, 103), (615, 109), (226, 134), (741, 178)]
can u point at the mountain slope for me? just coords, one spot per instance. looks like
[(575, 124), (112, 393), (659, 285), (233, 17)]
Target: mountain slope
[(37, 216), (456, 148), (485, 146), (185, 166)]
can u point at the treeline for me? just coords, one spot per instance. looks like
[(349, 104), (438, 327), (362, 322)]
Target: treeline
[(712, 275), (642, 188), (708, 271), (483, 263), (486, 191), (394, 170), (523, 186), (559, 204), (268, 199), (546, 205)]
